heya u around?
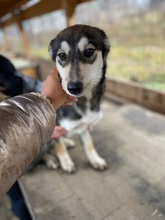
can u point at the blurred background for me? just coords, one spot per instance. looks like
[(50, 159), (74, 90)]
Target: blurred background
[(136, 29), (136, 74)]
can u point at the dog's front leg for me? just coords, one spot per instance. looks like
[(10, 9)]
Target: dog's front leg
[(95, 160), (60, 150)]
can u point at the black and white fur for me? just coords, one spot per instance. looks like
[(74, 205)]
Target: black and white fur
[(80, 53)]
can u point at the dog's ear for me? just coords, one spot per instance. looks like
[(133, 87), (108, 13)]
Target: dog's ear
[(52, 49), (106, 46)]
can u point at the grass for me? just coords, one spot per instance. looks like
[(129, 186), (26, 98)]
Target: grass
[(156, 85), (41, 52), (143, 63), (138, 50)]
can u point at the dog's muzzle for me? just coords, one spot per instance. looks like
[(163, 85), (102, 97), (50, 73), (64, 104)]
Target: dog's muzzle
[(75, 88)]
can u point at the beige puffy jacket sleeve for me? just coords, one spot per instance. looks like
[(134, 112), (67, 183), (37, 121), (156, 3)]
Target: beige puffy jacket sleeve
[(26, 124)]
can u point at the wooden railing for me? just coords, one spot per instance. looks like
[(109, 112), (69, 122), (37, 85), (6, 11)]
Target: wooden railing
[(136, 93)]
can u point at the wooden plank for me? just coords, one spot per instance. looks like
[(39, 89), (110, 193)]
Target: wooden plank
[(132, 140), (40, 9), (43, 7), (134, 92), (9, 6), (9, 21)]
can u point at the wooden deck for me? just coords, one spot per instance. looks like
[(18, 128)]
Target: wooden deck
[(132, 139)]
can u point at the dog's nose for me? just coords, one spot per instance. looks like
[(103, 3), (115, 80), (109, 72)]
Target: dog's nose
[(75, 87)]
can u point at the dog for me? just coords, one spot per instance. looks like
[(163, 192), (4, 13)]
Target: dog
[(80, 54)]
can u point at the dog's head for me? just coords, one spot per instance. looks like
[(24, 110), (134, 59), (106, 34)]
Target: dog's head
[(80, 53)]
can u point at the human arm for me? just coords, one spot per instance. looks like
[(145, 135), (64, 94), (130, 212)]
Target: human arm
[(27, 123)]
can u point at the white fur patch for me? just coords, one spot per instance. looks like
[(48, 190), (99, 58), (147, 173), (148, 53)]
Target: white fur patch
[(65, 47), (64, 73), (79, 126), (83, 44), (50, 51)]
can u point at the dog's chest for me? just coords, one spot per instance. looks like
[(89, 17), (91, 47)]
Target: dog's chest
[(88, 119)]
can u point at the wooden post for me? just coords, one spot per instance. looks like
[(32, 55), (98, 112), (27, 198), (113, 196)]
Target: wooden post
[(69, 6), (23, 35), (6, 46)]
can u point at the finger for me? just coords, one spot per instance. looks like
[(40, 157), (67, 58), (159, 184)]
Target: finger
[(58, 132), (72, 98)]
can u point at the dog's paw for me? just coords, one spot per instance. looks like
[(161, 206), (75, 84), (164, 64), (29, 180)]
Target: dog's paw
[(51, 162), (98, 162), (67, 164)]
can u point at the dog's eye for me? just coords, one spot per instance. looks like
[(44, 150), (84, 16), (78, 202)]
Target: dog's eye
[(62, 56), (89, 52)]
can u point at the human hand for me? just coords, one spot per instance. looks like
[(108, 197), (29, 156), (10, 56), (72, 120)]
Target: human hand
[(52, 89)]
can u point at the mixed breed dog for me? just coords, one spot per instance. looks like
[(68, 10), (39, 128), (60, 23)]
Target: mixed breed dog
[(80, 54)]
